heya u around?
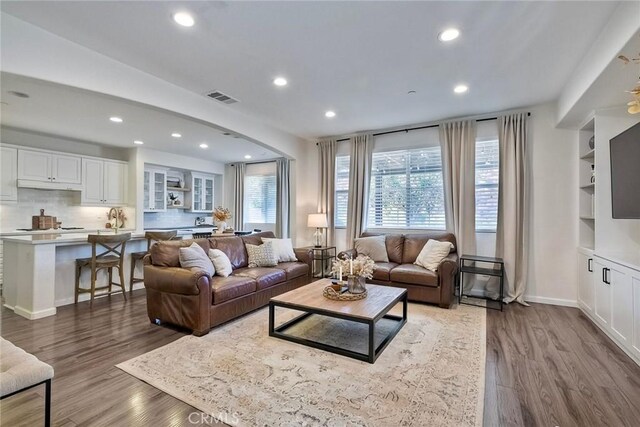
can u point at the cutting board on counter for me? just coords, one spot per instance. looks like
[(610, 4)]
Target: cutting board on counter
[(42, 221)]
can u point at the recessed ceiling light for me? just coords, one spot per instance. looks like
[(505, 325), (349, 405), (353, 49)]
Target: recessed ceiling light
[(176, 135), (116, 119), (248, 156), (203, 145), (184, 19), (448, 35), (138, 142), (461, 89), (280, 81), (329, 114)]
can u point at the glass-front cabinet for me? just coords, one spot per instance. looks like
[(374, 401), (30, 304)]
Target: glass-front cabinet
[(202, 193), (155, 190)]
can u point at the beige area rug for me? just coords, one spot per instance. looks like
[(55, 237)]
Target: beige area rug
[(431, 374)]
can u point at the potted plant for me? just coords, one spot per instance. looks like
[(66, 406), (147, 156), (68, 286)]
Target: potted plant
[(220, 217)]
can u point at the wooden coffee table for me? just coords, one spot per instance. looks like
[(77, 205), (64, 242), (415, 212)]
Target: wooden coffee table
[(309, 300)]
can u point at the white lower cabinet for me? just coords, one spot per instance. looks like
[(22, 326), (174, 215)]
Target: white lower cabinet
[(585, 281), (616, 305)]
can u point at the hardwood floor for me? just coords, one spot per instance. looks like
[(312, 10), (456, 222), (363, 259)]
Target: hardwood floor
[(546, 366)]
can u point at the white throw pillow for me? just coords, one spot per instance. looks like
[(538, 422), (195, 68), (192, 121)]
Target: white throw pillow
[(374, 247), (283, 249), (221, 262), (262, 256), (194, 257), (432, 253)]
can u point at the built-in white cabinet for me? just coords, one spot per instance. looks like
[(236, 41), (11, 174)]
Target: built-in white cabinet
[(8, 174), (585, 281), (105, 182), (46, 167), (616, 303), (202, 192), (155, 190)]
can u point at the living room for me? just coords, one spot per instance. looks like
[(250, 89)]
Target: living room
[(444, 190)]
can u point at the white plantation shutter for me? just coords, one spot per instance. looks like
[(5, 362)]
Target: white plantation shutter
[(487, 176), (342, 191), (260, 199), (406, 189)]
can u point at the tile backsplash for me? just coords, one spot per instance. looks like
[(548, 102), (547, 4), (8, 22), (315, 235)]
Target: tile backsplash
[(173, 218), (65, 205)]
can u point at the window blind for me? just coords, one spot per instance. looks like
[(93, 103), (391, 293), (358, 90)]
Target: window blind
[(487, 178), (406, 189), (260, 199), (342, 191)]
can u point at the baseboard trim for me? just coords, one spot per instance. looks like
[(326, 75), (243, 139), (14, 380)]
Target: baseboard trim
[(33, 315), (551, 301)]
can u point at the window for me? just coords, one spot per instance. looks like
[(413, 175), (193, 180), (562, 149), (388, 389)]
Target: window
[(260, 199), (342, 191), (487, 178), (406, 189)]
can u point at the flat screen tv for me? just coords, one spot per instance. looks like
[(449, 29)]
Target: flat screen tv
[(625, 174)]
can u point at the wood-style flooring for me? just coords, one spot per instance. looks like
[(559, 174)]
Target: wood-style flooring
[(546, 366)]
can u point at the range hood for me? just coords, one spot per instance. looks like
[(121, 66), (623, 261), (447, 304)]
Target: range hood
[(27, 183)]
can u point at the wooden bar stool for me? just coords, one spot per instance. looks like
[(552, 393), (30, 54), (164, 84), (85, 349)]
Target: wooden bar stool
[(114, 244), (152, 237)]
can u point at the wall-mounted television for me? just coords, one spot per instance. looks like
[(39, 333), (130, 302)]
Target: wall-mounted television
[(625, 174)]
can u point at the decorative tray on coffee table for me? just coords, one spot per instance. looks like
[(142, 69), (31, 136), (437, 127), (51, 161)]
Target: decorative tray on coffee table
[(339, 292)]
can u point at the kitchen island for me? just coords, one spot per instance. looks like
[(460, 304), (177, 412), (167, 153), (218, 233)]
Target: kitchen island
[(39, 269)]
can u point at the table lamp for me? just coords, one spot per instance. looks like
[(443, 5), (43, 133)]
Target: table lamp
[(319, 221)]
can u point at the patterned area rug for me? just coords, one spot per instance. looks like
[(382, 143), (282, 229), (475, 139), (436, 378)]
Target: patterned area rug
[(432, 373)]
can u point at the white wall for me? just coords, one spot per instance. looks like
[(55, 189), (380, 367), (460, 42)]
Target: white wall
[(553, 232)]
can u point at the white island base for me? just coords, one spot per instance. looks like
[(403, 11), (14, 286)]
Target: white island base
[(39, 271)]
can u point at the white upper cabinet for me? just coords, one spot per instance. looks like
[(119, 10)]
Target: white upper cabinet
[(105, 182), (202, 193), (8, 174), (66, 169), (41, 166), (155, 190)]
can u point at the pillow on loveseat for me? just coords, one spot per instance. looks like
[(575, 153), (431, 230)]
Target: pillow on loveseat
[(262, 255), (194, 257), (283, 249), (374, 247), (432, 253)]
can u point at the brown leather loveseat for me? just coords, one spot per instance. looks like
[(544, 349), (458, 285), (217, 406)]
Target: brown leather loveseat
[(196, 301), (422, 285)]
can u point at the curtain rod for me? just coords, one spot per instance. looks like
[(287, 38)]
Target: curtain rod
[(416, 128), (254, 163)]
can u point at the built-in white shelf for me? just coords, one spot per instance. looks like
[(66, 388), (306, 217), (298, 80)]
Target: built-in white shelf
[(587, 218), (591, 186), (178, 189), (589, 155), (177, 207)]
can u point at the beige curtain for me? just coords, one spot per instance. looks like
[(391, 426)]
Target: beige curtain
[(511, 237), (238, 204), (458, 143), (326, 193), (283, 196), (359, 177)]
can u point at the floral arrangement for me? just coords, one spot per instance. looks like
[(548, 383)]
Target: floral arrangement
[(360, 266), (221, 214)]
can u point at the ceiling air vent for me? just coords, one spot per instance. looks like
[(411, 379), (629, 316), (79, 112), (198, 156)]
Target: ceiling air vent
[(221, 97)]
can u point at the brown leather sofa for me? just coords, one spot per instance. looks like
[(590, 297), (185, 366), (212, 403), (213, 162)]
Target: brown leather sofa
[(196, 301), (422, 285)]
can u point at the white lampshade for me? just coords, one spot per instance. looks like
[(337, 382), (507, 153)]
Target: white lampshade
[(318, 220)]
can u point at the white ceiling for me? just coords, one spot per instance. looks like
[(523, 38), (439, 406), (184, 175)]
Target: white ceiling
[(357, 58), (73, 113)]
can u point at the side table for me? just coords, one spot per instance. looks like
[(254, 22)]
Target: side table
[(323, 257), (482, 265)]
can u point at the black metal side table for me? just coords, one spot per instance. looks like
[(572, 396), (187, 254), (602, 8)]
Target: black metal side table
[(482, 265), (323, 257)]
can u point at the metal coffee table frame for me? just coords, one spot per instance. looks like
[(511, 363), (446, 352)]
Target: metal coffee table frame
[(373, 353)]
